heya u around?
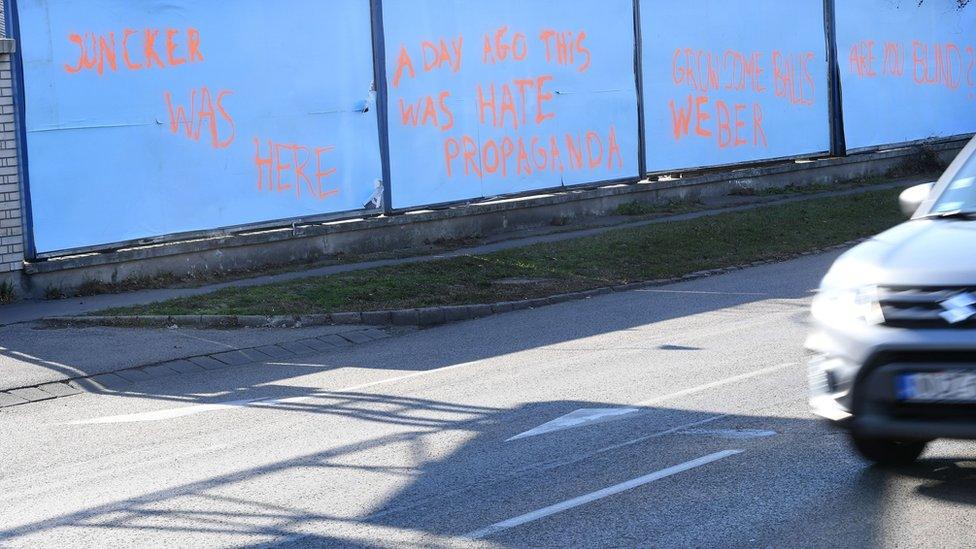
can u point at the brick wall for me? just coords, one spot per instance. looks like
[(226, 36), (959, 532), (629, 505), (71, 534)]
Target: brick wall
[(11, 212)]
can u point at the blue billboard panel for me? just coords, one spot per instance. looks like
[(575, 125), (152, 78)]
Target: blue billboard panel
[(157, 117), (907, 70), (732, 82), (492, 98)]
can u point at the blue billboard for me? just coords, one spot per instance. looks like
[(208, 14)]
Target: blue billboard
[(492, 98), (732, 82), (907, 70), (168, 116)]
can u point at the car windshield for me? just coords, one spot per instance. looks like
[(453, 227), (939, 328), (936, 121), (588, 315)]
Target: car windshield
[(960, 195)]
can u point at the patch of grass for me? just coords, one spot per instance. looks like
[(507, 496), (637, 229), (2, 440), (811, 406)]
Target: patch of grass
[(926, 160), (7, 294), (92, 287), (812, 188), (53, 293), (637, 209), (652, 252)]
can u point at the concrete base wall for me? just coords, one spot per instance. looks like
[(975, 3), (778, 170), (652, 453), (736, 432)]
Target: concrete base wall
[(311, 243)]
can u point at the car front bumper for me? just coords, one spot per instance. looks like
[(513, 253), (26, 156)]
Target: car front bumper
[(852, 371)]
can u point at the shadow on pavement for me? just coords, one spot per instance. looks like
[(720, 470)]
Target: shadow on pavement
[(952, 481), (32, 355), (485, 479)]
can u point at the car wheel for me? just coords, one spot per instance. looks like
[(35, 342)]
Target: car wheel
[(885, 451)]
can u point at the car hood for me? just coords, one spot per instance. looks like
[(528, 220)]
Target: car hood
[(924, 252)]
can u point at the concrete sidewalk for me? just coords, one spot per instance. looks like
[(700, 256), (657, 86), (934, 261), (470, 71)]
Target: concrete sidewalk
[(31, 356), (29, 311)]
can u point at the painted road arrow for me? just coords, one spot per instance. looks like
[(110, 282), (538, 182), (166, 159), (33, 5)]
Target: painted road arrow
[(579, 418)]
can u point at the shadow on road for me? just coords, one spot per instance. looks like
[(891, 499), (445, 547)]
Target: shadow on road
[(438, 495), (951, 481), (434, 494)]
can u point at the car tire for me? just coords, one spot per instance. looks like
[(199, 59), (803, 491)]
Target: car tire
[(888, 452)]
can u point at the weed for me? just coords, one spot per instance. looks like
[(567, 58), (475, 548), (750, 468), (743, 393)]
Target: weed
[(7, 293), (54, 292)]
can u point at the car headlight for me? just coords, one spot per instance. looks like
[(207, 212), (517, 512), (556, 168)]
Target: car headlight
[(846, 304)]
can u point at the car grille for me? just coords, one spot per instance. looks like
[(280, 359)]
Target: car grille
[(920, 307)]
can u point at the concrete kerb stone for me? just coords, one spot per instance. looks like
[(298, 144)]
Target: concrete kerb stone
[(122, 380), (201, 321), (563, 298), (233, 358), (481, 310), (596, 293), (346, 318), (377, 318), (159, 371), (205, 362), (101, 382), (297, 347), (457, 313), (357, 337), (182, 366), (431, 316), (31, 394), (60, 390), (134, 375), (317, 344), (256, 355), (336, 340), (376, 334), (7, 400), (405, 317), (503, 307)]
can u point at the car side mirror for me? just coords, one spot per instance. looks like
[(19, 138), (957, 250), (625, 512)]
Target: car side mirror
[(912, 198)]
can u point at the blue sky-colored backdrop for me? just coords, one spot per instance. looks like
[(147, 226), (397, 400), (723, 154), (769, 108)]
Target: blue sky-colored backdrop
[(908, 71), (761, 63), (105, 165), (589, 64)]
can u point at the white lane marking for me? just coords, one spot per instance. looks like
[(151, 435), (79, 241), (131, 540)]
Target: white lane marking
[(539, 467), (598, 495), (579, 418), (171, 413), (185, 411), (731, 434), (714, 384), (56, 365), (585, 416), (693, 292)]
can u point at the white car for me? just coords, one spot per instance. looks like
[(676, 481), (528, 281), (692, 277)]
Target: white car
[(894, 338)]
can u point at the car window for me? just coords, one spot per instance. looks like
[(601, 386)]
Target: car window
[(960, 195)]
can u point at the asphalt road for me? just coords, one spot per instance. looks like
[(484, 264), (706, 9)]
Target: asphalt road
[(698, 435)]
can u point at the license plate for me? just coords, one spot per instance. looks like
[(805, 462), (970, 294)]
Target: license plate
[(957, 387)]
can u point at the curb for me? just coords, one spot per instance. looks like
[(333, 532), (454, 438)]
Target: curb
[(422, 317), (119, 380), (196, 321)]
